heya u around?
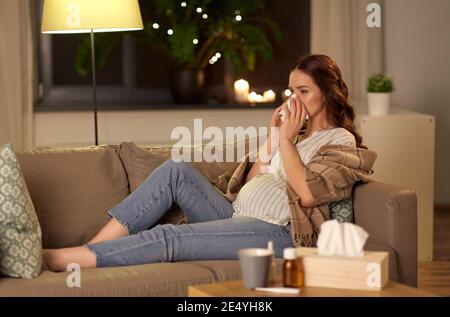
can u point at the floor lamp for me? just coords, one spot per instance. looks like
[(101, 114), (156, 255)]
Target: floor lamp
[(91, 16)]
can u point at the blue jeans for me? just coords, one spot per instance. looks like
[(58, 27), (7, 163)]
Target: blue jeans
[(212, 233)]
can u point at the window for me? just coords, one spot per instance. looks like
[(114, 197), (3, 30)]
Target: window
[(135, 76), (294, 20)]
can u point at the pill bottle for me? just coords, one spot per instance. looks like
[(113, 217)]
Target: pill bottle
[(293, 275)]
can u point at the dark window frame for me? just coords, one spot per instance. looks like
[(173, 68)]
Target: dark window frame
[(122, 97)]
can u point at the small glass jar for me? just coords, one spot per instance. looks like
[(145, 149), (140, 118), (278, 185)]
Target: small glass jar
[(293, 275)]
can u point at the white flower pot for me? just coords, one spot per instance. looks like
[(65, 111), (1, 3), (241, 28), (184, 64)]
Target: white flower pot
[(379, 103)]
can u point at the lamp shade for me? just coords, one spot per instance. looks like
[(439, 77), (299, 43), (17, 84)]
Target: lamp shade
[(82, 16)]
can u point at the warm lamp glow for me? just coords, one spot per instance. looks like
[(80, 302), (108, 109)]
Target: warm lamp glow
[(82, 16)]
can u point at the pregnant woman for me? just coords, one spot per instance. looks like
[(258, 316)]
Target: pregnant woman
[(218, 228)]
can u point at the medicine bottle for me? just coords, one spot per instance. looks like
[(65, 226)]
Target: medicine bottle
[(293, 274)]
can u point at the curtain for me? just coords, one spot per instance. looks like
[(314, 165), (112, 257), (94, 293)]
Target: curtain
[(17, 73), (339, 30)]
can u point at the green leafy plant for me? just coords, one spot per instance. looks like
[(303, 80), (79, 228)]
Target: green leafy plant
[(195, 33), (380, 83)]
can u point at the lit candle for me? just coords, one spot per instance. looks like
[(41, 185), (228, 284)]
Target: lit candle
[(253, 97), (241, 88), (269, 96)]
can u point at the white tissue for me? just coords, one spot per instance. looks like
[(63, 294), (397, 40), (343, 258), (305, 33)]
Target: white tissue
[(289, 103), (341, 239)]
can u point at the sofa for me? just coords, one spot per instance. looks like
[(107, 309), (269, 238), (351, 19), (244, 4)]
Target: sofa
[(72, 189)]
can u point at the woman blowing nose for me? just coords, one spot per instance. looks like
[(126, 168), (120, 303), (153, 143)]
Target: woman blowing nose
[(283, 196)]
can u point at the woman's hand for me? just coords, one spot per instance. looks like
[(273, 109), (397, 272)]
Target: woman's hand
[(275, 122), (272, 142), (293, 120), (270, 146)]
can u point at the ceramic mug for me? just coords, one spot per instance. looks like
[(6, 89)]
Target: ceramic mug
[(255, 265)]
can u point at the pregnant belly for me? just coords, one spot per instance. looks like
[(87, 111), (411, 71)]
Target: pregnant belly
[(263, 196)]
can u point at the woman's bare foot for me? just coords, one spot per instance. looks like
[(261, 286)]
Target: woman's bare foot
[(57, 260), (112, 230)]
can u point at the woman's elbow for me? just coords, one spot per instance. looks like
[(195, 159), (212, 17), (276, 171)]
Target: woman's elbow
[(308, 202), (306, 199)]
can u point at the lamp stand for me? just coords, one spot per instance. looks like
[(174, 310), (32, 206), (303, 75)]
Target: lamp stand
[(94, 85)]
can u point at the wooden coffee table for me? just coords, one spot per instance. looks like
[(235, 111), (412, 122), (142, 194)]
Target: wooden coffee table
[(237, 289)]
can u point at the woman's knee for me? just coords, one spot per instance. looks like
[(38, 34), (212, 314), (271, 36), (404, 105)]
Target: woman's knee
[(178, 167), (164, 235)]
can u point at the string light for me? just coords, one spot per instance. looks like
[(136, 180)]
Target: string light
[(215, 58), (287, 92)]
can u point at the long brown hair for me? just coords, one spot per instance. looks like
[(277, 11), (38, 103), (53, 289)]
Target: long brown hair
[(328, 77)]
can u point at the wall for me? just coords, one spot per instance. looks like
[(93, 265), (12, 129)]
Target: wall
[(142, 127), (418, 57)]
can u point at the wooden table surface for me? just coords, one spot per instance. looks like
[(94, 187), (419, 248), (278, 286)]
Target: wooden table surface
[(237, 289)]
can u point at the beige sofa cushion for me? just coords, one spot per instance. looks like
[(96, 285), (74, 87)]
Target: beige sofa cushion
[(159, 279), (72, 189), (140, 161)]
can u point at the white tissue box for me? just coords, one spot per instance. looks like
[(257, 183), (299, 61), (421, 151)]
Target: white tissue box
[(369, 272)]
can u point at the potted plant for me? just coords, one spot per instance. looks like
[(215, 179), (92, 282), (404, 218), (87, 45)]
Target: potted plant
[(196, 33), (379, 89)]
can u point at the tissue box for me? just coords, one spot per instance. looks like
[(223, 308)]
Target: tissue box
[(369, 272)]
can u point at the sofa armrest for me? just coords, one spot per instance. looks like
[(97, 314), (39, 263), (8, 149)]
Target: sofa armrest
[(389, 214)]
